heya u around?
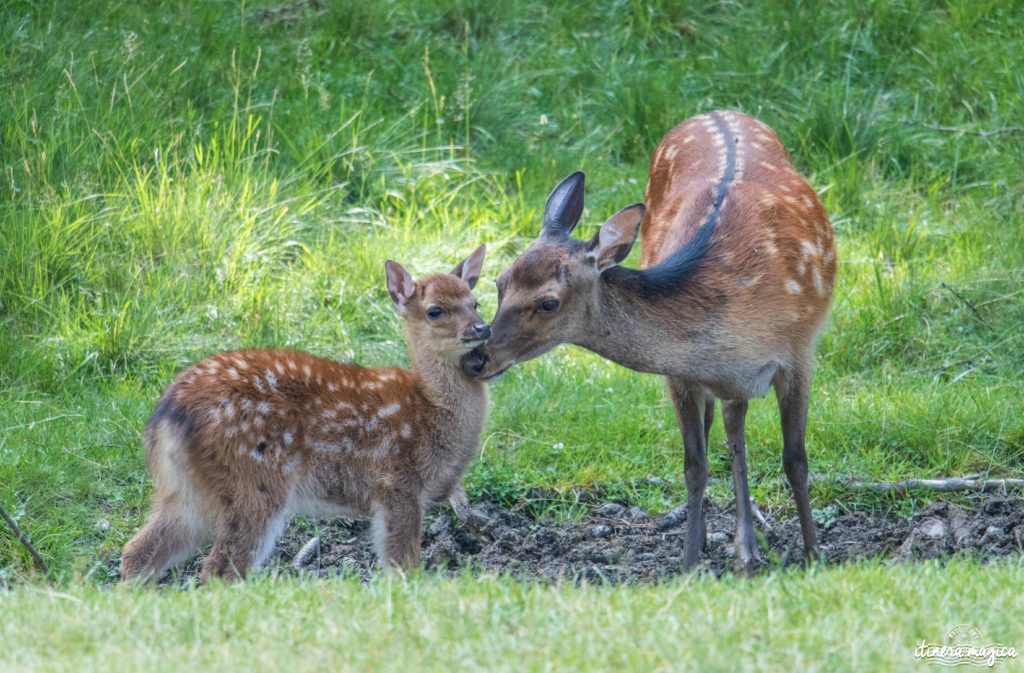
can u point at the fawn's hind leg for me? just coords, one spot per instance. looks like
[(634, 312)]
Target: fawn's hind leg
[(173, 532)]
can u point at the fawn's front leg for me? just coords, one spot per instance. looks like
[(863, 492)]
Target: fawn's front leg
[(397, 523)]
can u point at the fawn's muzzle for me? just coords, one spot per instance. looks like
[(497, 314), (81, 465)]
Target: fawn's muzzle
[(474, 361)]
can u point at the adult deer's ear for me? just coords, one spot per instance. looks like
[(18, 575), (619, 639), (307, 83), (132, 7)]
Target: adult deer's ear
[(564, 207), (613, 242)]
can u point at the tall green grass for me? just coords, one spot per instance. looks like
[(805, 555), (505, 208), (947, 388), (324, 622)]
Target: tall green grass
[(177, 181)]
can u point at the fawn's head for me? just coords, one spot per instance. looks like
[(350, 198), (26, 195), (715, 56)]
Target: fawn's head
[(547, 293), (440, 310)]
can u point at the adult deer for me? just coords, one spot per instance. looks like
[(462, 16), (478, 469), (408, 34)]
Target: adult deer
[(737, 269)]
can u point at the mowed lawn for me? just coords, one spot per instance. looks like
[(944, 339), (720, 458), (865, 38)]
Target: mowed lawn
[(182, 180)]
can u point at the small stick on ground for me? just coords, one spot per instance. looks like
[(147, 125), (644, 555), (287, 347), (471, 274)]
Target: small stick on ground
[(24, 540), (948, 485)]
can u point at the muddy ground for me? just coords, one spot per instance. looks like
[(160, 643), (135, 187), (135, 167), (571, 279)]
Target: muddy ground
[(620, 544)]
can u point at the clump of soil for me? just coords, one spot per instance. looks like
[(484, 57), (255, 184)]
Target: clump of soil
[(620, 544)]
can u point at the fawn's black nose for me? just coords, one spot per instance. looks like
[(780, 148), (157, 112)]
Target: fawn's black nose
[(482, 330)]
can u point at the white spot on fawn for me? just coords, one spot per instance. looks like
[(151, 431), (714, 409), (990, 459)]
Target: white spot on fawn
[(229, 409), (327, 413), (291, 365), (793, 287), (256, 381), (271, 379), (383, 448), (246, 404), (214, 414), (242, 364), (406, 431), (747, 282), (390, 409), (263, 408), (233, 373), (332, 386), (305, 370), (288, 437), (371, 424), (292, 465), (231, 431), (326, 447)]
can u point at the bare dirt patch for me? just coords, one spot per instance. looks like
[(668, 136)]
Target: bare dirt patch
[(620, 544)]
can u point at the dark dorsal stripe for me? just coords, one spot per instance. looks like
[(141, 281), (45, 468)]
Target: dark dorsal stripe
[(672, 272)]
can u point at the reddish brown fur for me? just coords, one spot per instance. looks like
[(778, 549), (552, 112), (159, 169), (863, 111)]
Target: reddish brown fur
[(738, 265), (243, 440)]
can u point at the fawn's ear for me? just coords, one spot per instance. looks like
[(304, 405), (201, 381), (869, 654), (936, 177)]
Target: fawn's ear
[(469, 268), (613, 242), (400, 283)]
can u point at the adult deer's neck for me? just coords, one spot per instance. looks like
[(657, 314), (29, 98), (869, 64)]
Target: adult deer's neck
[(640, 323)]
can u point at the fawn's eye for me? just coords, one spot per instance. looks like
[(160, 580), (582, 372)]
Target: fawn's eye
[(547, 306), (434, 313)]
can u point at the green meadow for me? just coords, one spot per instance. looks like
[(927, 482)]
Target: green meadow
[(179, 180)]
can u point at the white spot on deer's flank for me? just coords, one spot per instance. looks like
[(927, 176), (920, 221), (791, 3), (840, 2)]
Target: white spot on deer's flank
[(271, 379), (371, 424), (327, 413), (390, 409), (233, 373), (256, 381), (263, 408), (293, 464), (793, 287), (242, 364), (231, 431), (229, 409), (383, 449), (807, 249), (246, 404), (750, 280), (279, 367), (306, 371), (291, 365), (288, 438), (245, 426), (816, 277), (332, 386), (326, 447), (406, 431), (214, 414)]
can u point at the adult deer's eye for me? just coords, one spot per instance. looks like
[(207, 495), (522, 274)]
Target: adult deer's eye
[(434, 313), (547, 306)]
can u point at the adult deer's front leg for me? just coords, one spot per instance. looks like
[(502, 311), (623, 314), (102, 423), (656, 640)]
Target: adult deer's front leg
[(792, 391), (689, 401)]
